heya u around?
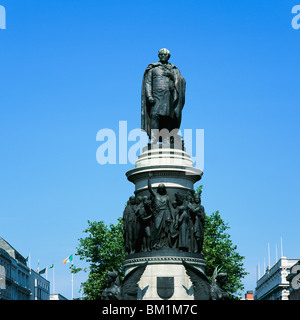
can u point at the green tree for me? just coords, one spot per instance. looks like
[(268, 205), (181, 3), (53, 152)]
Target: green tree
[(219, 251), (103, 250)]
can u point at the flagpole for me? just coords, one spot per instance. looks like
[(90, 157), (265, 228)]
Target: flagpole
[(269, 255), (67, 260), (72, 277), (53, 287)]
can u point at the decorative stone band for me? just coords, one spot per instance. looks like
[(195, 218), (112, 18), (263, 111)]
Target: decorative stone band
[(128, 263), (171, 176), (164, 256)]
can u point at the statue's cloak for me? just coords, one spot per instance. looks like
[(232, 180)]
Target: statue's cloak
[(177, 103)]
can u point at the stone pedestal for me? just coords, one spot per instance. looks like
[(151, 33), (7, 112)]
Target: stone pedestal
[(165, 276), (172, 167)]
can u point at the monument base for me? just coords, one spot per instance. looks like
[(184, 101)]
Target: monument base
[(174, 231), (165, 277)]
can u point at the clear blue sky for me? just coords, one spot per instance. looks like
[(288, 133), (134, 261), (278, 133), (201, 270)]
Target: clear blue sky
[(70, 68)]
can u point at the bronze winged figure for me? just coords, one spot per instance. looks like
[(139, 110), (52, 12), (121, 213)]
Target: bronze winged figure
[(205, 289), (128, 288)]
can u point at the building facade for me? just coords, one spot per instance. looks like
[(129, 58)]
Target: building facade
[(17, 280), (273, 285), (39, 287), (57, 296)]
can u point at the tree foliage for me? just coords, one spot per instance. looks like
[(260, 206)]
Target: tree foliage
[(219, 251), (103, 250)]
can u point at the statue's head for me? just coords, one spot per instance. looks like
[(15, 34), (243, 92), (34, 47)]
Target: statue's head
[(197, 198), (189, 198), (132, 200), (139, 199), (161, 189), (164, 55), (111, 276), (146, 202), (174, 204), (179, 198)]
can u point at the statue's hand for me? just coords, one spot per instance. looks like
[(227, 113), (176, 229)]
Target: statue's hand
[(169, 75), (151, 100)]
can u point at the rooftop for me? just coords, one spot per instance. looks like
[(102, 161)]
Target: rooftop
[(12, 251)]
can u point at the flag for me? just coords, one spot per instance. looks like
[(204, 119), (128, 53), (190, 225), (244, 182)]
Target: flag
[(52, 266), (42, 271), (69, 259), (38, 268)]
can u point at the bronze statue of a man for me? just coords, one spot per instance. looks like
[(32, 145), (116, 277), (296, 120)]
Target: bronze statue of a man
[(163, 96)]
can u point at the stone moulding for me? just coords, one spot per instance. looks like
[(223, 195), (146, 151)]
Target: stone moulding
[(177, 175), (165, 260)]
